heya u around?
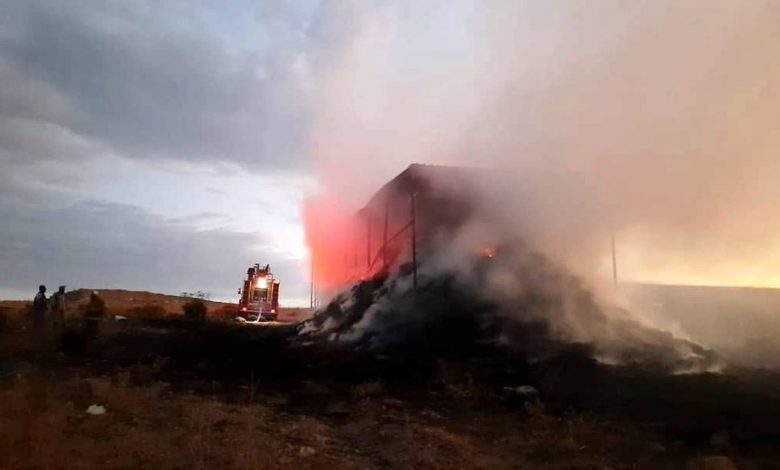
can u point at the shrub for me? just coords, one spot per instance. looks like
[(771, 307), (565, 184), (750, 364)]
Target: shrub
[(194, 309), (228, 312), (147, 312), (95, 308)]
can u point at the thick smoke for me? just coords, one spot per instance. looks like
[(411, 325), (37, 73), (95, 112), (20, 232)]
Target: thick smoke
[(650, 121), (667, 109), (478, 284)]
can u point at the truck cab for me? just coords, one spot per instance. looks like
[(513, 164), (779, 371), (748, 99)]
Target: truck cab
[(260, 295)]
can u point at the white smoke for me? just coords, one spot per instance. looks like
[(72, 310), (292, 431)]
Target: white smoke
[(664, 110), (508, 294), (652, 122)]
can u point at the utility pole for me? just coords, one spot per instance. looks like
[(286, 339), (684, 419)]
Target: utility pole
[(384, 240), (614, 261), (311, 292)]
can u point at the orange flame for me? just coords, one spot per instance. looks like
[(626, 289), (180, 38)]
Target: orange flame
[(330, 231)]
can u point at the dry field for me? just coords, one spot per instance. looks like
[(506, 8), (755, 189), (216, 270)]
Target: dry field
[(218, 395), (130, 303), (45, 426)]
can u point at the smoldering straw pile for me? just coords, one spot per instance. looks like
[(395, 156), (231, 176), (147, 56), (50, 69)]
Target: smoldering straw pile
[(513, 299)]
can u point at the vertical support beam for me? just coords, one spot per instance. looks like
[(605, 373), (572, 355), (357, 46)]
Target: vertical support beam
[(354, 251), (414, 240), (368, 242), (384, 239)]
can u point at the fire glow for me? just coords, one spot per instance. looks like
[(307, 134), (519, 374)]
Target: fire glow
[(329, 229)]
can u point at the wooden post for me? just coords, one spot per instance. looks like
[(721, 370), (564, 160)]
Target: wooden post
[(414, 241)]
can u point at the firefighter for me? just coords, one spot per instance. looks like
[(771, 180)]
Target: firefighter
[(93, 315), (39, 308), (58, 306)]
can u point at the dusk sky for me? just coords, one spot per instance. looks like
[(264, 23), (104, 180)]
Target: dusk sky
[(168, 145), (152, 145)]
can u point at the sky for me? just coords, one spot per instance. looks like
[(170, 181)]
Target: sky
[(152, 145), (167, 146)]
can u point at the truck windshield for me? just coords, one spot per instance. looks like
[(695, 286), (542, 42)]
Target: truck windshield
[(259, 295)]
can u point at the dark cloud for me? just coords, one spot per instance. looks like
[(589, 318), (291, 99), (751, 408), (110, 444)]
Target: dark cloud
[(91, 81), (97, 244), (142, 80)]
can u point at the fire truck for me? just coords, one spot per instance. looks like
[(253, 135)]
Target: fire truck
[(260, 294)]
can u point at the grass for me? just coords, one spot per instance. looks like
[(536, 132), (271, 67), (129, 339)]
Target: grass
[(44, 425), (185, 394)]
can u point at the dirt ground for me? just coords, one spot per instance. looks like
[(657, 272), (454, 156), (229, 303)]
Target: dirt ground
[(45, 426), (215, 395)]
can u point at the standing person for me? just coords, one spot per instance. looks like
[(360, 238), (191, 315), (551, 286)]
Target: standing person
[(58, 306), (40, 307), (93, 315)]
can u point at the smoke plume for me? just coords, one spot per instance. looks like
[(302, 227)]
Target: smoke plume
[(653, 122), (478, 285)]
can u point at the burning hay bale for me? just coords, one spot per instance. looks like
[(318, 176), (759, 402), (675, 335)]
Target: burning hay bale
[(515, 300)]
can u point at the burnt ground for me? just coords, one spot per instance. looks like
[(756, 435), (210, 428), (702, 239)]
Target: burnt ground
[(218, 395)]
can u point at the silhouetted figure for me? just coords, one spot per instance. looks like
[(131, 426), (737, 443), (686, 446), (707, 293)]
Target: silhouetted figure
[(93, 315), (40, 307), (59, 306)]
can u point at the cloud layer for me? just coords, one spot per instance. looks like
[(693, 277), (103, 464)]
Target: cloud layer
[(142, 80), (666, 109), (94, 85)]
